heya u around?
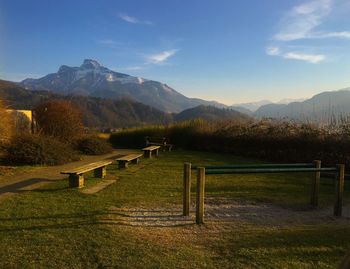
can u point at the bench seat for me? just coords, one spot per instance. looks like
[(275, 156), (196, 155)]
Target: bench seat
[(148, 151), (76, 175), (158, 141), (123, 161)]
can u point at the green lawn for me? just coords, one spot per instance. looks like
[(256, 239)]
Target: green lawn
[(57, 227)]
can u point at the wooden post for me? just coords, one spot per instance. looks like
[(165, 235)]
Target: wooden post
[(186, 189), (76, 181), (148, 154), (315, 184), (100, 172), (200, 195), (339, 190), (136, 161)]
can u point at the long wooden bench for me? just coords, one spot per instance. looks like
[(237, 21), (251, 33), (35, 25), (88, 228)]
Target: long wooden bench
[(123, 161), (76, 175), (163, 142), (148, 151)]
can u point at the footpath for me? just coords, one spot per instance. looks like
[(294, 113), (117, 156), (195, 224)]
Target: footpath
[(41, 175)]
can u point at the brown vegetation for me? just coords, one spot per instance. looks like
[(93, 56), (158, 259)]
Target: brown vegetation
[(59, 119), (267, 140), (5, 124)]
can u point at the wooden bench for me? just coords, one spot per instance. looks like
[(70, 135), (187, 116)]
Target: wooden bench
[(148, 151), (159, 141), (76, 175), (123, 161)]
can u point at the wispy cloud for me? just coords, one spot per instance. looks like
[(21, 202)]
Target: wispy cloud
[(302, 21), (273, 51), (299, 22), (134, 20), (160, 57), (311, 58), (293, 55)]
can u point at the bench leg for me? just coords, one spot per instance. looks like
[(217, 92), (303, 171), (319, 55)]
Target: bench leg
[(122, 164), (148, 154), (136, 161), (76, 181), (157, 152), (100, 172)]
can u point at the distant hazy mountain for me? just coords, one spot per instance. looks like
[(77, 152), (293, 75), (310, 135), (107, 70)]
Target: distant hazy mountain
[(210, 113), (323, 107), (242, 110), (253, 106), (290, 100), (92, 79), (96, 112)]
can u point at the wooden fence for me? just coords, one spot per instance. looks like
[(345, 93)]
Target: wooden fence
[(314, 167)]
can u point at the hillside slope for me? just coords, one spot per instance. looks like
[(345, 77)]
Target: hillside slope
[(97, 112), (92, 79)]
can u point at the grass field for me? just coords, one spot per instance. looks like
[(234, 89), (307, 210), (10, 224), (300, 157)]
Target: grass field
[(252, 221)]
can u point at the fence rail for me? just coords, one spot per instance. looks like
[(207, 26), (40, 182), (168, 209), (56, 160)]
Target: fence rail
[(268, 170), (243, 166), (314, 168)]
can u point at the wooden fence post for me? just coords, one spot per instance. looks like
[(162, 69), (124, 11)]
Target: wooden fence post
[(186, 189), (200, 195), (315, 184), (339, 190)]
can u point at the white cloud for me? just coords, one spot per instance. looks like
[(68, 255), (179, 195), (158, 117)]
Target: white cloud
[(160, 57), (311, 58), (344, 34), (302, 22), (303, 19), (273, 51), (134, 20)]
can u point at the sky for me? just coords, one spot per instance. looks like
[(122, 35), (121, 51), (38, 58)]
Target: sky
[(231, 51)]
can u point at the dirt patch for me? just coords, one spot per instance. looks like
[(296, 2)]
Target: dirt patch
[(226, 211)]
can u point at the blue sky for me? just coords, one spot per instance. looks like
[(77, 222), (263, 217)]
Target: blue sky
[(226, 50)]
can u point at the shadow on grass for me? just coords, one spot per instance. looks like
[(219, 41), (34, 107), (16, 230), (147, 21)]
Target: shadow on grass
[(18, 187)]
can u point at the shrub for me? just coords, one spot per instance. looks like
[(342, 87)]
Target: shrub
[(93, 145), (268, 140), (35, 149), (5, 125), (59, 119)]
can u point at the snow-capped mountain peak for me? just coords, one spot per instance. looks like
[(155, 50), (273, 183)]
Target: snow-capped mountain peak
[(90, 64), (93, 79)]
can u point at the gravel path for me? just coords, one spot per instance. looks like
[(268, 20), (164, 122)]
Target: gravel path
[(36, 177)]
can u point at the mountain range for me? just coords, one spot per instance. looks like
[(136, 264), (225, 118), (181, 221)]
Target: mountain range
[(96, 112), (325, 107), (93, 79), (126, 96), (102, 113)]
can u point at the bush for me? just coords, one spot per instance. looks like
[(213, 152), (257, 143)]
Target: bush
[(59, 119), (267, 140), (93, 145), (34, 149), (5, 125)]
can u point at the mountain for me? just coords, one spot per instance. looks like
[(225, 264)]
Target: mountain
[(325, 107), (253, 106), (286, 101), (210, 113), (92, 79), (96, 112)]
